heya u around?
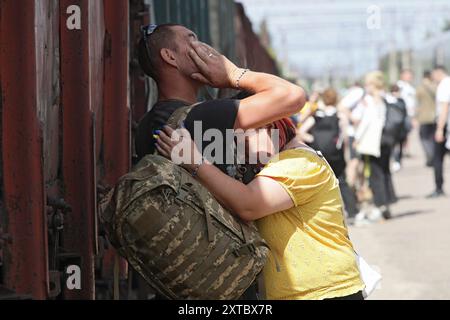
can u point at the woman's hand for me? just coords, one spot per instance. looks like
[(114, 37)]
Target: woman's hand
[(178, 146), (263, 196), (214, 68)]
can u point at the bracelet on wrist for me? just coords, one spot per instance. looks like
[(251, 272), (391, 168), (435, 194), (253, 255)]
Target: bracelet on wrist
[(238, 85), (194, 173)]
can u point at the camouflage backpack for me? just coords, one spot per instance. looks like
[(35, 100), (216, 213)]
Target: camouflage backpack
[(177, 236)]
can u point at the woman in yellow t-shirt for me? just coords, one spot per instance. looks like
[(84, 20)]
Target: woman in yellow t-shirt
[(297, 204)]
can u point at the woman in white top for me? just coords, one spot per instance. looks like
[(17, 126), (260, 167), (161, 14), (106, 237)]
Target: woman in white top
[(371, 117)]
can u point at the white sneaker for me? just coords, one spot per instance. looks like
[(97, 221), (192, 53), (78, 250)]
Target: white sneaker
[(396, 167), (361, 220), (360, 216), (375, 215)]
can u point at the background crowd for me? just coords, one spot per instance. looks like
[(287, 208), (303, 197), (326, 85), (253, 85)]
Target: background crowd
[(364, 134)]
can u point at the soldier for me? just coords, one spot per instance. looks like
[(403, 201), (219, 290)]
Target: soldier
[(181, 65)]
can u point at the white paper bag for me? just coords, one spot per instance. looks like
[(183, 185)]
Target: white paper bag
[(370, 140), (370, 277)]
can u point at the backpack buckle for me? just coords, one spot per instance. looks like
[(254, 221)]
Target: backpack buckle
[(249, 247), (183, 194)]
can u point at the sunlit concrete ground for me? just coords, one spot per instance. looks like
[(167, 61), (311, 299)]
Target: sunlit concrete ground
[(412, 250)]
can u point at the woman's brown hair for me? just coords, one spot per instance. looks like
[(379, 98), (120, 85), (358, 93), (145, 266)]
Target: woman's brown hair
[(330, 97)]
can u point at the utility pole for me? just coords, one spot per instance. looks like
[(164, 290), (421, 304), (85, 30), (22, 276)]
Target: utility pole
[(406, 54), (393, 67), (285, 48)]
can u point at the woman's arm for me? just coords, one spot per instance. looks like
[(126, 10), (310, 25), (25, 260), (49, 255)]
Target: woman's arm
[(274, 98), (262, 197)]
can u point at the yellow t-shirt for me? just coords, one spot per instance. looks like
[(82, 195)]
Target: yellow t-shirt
[(310, 241)]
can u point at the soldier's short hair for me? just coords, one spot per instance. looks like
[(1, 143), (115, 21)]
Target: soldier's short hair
[(149, 53)]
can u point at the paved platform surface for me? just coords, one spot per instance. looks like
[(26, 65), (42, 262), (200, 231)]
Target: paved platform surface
[(412, 250)]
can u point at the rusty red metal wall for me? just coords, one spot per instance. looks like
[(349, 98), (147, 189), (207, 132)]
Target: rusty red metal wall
[(65, 131), (25, 256), (250, 52), (116, 152), (139, 84), (81, 88), (69, 100)]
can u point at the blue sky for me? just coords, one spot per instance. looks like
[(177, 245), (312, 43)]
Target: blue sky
[(331, 36)]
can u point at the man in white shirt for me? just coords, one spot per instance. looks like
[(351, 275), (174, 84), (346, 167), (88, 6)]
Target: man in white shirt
[(408, 94), (407, 91), (442, 146), (347, 107)]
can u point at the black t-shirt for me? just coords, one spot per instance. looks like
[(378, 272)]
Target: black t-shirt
[(215, 114), (153, 120)]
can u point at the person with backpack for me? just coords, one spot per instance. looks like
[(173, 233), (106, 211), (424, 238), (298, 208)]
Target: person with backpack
[(181, 66), (375, 138), (404, 128), (325, 132), (407, 93), (296, 203)]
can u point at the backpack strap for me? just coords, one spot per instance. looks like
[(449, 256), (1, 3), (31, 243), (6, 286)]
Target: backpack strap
[(176, 119), (185, 189), (317, 153), (310, 150), (178, 116)]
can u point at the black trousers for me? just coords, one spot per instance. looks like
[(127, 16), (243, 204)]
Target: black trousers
[(427, 132), (348, 196), (439, 153), (251, 293), (398, 151), (380, 180), (356, 296)]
